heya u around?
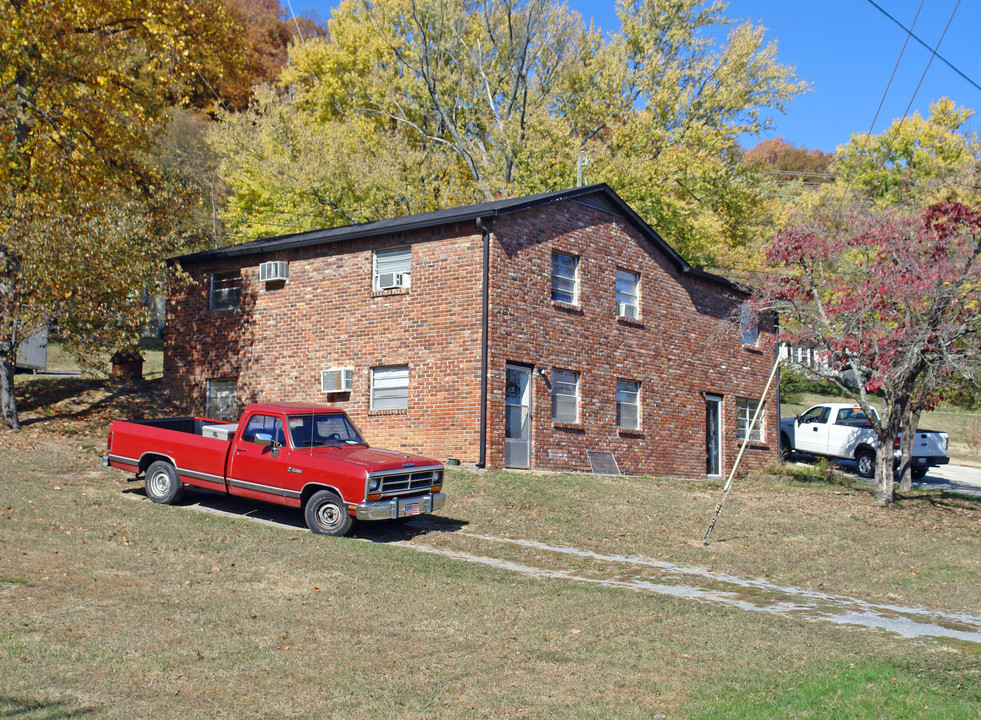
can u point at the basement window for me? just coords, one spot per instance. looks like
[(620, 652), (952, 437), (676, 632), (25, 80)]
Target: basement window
[(221, 403)]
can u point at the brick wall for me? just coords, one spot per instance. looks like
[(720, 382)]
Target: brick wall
[(683, 345), (325, 316)]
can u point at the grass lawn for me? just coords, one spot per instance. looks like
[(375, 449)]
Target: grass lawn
[(113, 607), (61, 362)]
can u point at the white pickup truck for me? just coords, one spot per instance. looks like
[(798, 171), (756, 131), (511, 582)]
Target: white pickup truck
[(842, 431)]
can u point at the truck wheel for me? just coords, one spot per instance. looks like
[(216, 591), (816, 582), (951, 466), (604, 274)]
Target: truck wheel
[(918, 473), (162, 483), (326, 515), (865, 463)]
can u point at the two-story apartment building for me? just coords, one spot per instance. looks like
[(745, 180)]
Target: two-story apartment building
[(519, 333)]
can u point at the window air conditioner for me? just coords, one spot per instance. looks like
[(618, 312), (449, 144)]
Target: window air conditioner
[(387, 281), (338, 380), (627, 310), (275, 270)]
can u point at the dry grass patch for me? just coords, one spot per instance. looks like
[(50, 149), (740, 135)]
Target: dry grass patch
[(832, 538), (112, 607)]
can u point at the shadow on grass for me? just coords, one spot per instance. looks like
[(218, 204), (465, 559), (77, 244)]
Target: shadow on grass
[(18, 708), (46, 400), (380, 531)]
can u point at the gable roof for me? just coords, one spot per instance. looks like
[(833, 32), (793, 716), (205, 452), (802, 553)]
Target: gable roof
[(600, 193)]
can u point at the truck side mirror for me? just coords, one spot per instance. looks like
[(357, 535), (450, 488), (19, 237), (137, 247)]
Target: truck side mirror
[(266, 440)]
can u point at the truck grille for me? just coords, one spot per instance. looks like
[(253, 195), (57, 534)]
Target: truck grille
[(403, 482)]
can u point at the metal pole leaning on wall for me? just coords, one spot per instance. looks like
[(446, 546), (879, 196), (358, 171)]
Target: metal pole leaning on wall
[(742, 449)]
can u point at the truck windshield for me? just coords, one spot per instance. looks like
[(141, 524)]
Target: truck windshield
[(321, 429)]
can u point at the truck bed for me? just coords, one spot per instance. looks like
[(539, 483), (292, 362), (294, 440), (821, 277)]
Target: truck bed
[(200, 459)]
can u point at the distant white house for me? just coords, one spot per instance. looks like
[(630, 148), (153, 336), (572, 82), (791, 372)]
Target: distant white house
[(32, 353)]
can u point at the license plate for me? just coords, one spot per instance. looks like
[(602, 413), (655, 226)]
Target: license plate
[(412, 509)]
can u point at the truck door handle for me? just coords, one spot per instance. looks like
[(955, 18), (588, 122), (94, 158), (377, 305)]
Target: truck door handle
[(240, 449)]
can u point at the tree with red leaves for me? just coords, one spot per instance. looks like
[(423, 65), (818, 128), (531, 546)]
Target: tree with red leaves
[(891, 301)]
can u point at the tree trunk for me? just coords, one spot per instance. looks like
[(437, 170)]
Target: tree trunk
[(883, 483), (911, 421), (8, 402)]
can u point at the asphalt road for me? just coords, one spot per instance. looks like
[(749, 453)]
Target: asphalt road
[(953, 478)]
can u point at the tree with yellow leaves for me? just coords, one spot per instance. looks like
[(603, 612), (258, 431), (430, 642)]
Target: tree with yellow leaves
[(435, 104), (86, 218)]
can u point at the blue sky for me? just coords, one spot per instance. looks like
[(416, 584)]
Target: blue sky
[(846, 50)]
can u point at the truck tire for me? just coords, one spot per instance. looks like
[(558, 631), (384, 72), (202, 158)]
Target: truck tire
[(865, 463), (326, 514), (918, 473), (162, 484)]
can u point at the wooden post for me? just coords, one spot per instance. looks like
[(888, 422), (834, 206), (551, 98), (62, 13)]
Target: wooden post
[(742, 449)]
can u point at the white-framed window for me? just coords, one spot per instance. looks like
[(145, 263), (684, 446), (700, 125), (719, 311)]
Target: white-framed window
[(392, 268), (225, 290), (222, 399), (390, 387), (565, 396), (748, 327), (628, 404), (745, 409), (628, 294), (565, 278)]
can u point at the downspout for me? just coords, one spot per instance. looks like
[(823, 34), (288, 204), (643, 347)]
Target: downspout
[(484, 341)]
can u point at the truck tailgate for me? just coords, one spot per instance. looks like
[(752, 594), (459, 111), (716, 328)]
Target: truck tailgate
[(928, 443)]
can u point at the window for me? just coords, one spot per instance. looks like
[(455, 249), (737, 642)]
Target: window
[(266, 424), (565, 396), (628, 405), (817, 414), (314, 430), (628, 294), (390, 388), (748, 327), (393, 268), (225, 291), (745, 409), (221, 402), (565, 278)]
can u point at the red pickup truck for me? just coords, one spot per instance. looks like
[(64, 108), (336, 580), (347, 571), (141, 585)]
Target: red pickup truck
[(293, 454)]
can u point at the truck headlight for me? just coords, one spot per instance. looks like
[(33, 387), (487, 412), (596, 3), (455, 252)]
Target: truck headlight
[(374, 485)]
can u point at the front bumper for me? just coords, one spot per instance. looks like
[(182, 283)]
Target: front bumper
[(399, 507)]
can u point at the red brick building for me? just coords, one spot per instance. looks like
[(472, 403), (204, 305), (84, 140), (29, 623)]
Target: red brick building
[(518, 333)]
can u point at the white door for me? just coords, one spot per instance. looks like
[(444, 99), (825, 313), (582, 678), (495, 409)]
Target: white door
[(811, 433), (517, 418)]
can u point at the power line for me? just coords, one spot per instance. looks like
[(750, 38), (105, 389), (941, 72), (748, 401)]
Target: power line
[(911, 34), (932, 56)]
